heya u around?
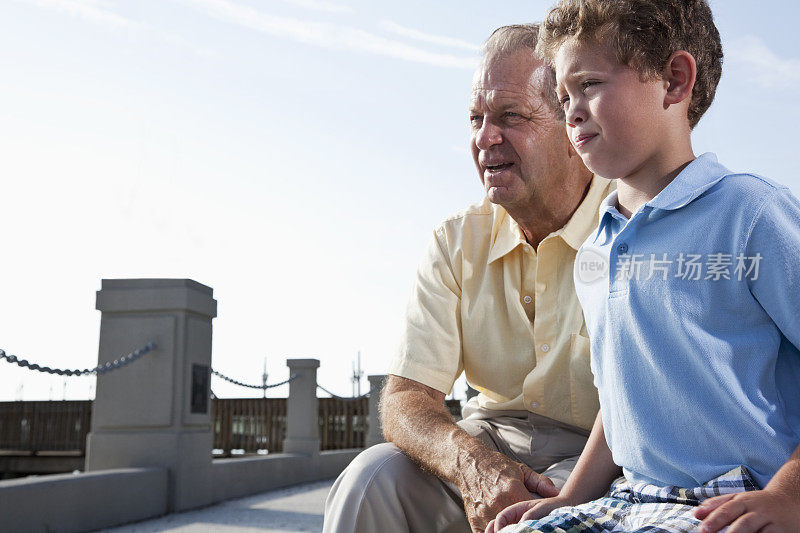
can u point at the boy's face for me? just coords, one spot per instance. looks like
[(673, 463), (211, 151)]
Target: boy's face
[(615, 120)]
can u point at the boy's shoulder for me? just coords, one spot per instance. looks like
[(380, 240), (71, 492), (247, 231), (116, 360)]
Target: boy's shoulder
[(745, 189), (750, 182), (752, 192)]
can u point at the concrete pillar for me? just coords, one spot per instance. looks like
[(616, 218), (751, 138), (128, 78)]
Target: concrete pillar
[(154, 412), (374, 430), (302, 412)]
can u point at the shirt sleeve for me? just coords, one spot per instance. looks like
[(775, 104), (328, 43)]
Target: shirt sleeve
[(774, 243), (430, 345)]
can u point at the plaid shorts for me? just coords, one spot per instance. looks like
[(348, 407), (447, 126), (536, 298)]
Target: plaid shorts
[(638, 507)]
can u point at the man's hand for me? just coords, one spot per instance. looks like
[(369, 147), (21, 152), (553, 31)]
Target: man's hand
[(490, 482), (415, 419), (764, 511), (527, 510)]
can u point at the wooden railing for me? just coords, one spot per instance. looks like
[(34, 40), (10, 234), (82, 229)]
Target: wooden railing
[(32, 428), (247, 424), (342, 423), (260, 424)]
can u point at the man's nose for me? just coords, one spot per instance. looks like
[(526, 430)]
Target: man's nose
[(488, 135)]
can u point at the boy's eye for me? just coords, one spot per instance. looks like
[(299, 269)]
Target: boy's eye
[(586, 84), (564, 100)]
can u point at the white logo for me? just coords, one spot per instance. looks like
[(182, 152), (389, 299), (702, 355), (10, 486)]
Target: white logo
[(591, 265)]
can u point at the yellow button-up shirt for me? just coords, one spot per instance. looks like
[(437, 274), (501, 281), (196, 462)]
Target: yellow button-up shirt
[(488, 304)]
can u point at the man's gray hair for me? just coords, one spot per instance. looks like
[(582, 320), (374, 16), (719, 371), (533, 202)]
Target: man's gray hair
[(508, 39)]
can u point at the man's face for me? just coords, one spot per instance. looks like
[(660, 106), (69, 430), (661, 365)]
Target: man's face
[(518, 141)]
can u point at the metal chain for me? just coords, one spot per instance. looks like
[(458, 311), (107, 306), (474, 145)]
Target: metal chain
[(323, 389), (101, 369), (247, 385)]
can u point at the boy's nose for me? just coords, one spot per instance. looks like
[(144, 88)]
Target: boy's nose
[(575, 116)]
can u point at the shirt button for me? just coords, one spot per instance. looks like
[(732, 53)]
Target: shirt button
[(622, 248), (527, 299), (545, 347), (534, 405)]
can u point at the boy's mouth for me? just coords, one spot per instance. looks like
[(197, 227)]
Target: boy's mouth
[(583, 138)]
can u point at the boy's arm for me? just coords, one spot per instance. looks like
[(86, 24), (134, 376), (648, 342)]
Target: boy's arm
[(591, 478), (776, 238), (775, 508)]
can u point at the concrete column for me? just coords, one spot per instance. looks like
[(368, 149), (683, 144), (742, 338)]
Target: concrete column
[(155, 411), (374, 430), (302, 412)]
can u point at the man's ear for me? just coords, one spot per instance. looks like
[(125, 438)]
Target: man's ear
[(679, 73), (571, 152)]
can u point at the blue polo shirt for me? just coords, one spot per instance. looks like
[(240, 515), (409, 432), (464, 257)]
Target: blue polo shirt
[(693, 309)]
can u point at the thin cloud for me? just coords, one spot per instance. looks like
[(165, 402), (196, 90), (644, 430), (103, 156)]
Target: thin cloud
[(87, 9), (766, 67), (326, 35), (100, 12), (411, 33), (320, 5)]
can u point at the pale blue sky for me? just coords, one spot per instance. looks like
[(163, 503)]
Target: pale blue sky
[(292, 154)]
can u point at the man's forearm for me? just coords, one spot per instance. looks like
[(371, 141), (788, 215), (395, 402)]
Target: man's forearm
[(419, 424), (415, 420)]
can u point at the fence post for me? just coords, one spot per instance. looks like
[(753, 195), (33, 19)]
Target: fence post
[(374, 430), (302, 411), (155, 411)]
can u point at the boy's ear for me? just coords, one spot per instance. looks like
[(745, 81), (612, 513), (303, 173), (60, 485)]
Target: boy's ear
[(680, 73)]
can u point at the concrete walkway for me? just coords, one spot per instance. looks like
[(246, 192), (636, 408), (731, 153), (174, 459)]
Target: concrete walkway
[(297, 508)]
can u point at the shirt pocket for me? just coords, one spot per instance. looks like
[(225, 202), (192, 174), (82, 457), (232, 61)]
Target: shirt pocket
[(583, 393)]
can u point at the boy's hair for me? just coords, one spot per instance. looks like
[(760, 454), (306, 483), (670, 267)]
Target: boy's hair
[(508, 39), (644, 33)]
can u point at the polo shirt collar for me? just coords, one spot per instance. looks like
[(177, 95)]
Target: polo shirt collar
[(507, 235), (698, 176)]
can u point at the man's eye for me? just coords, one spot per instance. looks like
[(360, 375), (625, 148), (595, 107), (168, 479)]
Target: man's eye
[(475, 118)]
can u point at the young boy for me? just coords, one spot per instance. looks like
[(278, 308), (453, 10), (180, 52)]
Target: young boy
[(690, 288)]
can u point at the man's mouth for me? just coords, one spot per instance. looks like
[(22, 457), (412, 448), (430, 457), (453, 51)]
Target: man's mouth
[(498, 167)]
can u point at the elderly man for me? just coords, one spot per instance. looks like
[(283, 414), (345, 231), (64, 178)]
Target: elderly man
[(494, 298)]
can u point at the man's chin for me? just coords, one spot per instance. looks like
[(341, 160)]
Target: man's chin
[(499, 195)]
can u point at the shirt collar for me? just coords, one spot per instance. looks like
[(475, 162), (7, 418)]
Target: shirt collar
[(584, 219), (507, 235), (698, 176)]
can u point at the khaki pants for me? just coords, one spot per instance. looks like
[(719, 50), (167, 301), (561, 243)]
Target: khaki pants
[(382, 490)]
